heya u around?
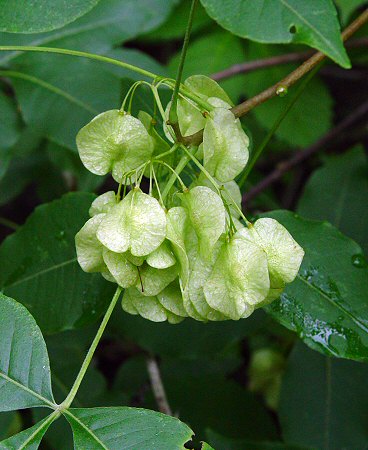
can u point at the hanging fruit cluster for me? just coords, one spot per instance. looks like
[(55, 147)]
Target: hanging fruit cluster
[(180, 251)]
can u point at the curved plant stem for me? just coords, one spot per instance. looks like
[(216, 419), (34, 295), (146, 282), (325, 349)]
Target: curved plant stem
[(266, 140), (73, 392), (65, 51), (295, 75), (178, 169), (173, 116), (8, 223)]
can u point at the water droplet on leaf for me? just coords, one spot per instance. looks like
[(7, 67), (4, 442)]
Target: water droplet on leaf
[(358, 261)]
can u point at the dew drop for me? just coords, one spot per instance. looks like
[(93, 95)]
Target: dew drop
[(358, 261), (281, 91)]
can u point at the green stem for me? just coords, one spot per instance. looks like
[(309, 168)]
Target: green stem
[(178, 169), (214, 183), (173, 116), (254, 158), (73, 392), (65, 51), (8, 223)]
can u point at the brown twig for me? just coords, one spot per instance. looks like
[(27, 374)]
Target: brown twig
[(157, 386), (301, 156), (276, 61), (243, 108)]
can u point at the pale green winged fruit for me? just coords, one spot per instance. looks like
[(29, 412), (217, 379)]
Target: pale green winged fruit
[(172, 300), (230, 192), (148, 307), (239, 280), (206, 214), (225, 145), (123, 271), (152, 281), (162, 257), (103, 203), (114, 141), (284, 254), (177, 223), (190, 116), (89, 248), (199, 272), (137, 224)]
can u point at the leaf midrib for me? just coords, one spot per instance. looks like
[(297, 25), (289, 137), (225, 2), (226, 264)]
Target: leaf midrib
[(28, 390), (360, 324), (90, 432), (40, 273), (306, 22)]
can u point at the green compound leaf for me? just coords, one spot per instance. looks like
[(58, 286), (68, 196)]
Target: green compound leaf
[(29, 439), (123, 428), (313, 23), (206, 214), (114, 141), (24, 363), (323, 401), (327, 303), (39, 266), (338, 192), (137, 223), (22, 16)]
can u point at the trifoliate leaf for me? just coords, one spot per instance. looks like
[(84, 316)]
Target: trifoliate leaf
[(239, 279), (206, 214), (284, 254), (171, 299), (114, 141), (152, 281), (103, 203), (123, 271), (89, 248), (177, 223), (137, 223), (225, 145), (162, 257), (148, 307)]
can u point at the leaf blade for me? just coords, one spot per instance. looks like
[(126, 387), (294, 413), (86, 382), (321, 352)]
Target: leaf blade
[(326, 304), (25, 379)]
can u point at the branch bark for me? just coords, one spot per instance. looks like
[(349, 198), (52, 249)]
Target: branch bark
[(157, 386), (243, 108), (287, 58), (301, 156)]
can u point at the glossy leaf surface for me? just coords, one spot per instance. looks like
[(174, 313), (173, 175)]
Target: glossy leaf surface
[(313, 23), (40, 268), (326, 304)]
